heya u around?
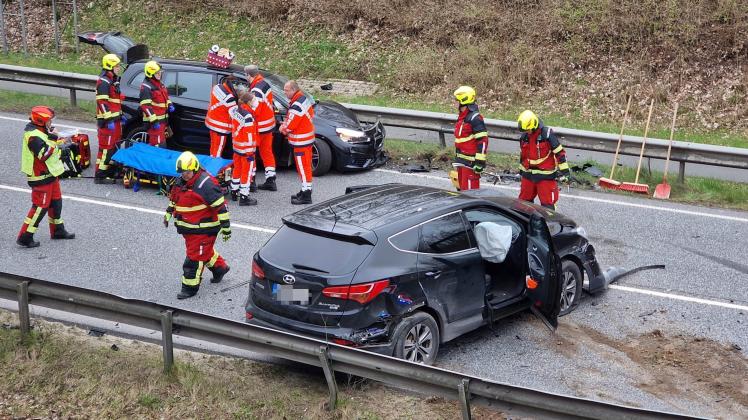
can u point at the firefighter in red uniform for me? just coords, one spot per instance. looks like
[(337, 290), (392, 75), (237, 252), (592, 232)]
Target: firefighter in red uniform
[(265, 120), (200, 213), (542, 157), (471, 140), (108, 117), (244, 135), (155, 104), (299, 129), (40, 161), (218, 121)]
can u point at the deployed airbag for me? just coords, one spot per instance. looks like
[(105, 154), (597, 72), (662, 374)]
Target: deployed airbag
[(494, 241)]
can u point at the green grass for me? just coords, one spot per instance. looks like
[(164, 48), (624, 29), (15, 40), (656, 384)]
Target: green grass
[(22, 103), (70, 62), (695, 190)]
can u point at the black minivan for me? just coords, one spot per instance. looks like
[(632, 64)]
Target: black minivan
[(343, 143), (398, 269)]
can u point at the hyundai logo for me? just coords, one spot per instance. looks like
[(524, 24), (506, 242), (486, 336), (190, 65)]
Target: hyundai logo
[(289, 279)]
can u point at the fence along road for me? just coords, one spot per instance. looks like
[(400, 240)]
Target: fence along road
[(442, 124), (426, 380)]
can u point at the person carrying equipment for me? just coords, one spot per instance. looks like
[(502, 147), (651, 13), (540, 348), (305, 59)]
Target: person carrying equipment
[(244, 135), (471, 140), (108, 117)]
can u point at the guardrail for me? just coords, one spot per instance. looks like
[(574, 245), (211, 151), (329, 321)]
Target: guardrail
[(330, 357), (682, 152)]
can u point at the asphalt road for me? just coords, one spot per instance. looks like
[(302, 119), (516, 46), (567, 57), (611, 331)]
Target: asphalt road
[(122, 248), (495, 145)]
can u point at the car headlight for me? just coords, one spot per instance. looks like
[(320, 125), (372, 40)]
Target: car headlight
[(351, 136)]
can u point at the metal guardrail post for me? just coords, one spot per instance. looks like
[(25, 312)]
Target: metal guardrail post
[(329, 376), (73, 97), (681, 172), (23, 307), (464, 390), (166, 340), (442, 139)]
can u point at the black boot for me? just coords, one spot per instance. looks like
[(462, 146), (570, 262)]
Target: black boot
[(27, 239), (61, 233), (269, 184), (253, 186), (297, 195), (106, 180), (246, 200), (218, 273), (187, 291), (305, 197), (234, 195)]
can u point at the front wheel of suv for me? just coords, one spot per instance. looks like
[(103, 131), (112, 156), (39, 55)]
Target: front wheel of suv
[(321, 157), (417, 339), (571, 286)]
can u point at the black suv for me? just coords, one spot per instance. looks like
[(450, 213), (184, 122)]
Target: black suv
[(398, 269), (342, 142)]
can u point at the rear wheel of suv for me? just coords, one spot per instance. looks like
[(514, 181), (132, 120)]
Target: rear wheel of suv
[(417, 339), (571, 286), (321, 157)]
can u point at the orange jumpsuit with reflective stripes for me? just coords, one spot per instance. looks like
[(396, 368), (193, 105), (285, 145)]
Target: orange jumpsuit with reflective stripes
[(218, 120), (299, 130), (265, 120)]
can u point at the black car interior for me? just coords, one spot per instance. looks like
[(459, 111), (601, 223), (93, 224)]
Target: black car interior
[(505, 280)]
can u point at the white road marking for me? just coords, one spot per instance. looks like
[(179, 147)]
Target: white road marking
[(134, 208), (592, 199), (56, 125), (678, 297), (265, 230)]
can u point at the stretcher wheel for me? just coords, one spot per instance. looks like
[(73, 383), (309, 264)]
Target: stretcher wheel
[(127, 177)]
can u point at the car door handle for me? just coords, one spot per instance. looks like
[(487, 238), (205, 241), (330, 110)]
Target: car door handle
[(434, 274)]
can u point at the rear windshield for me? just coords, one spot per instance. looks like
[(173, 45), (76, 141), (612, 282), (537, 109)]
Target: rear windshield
[(290, 248)]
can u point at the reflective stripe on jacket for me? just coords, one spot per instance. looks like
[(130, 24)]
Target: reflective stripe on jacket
[(471, 137), (198, 205), (244, 130), (40, 156), (299, 120), (222, 99), (541, 154), (154, 100), (108, 96), (264, 114)]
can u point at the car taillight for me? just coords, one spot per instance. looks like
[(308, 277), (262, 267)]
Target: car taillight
[(257, 270), (343, 342), (361, 293), (248, 315)]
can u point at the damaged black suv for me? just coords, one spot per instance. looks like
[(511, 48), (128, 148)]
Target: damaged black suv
[(399, 269)]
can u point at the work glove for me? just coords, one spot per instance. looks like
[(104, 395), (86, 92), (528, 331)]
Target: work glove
[(156, 125), (167, 217), (123, 119), (171, 108), (478, 167), (226, 233), (564, 177), (110, 125)]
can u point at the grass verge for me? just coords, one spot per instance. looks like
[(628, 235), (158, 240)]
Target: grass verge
[(59, 372), (22, 103)]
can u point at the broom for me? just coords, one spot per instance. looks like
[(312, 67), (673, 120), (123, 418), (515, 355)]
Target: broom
[(636, 187), (611, 183), (662, 190)]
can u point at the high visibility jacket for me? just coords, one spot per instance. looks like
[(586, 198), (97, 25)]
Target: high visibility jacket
[(108, 97), (222, 99), (198, 205), (154, 100), (471, 137), (264, 113), (244, 130), (299, 120), (40, 156), (541, 155)]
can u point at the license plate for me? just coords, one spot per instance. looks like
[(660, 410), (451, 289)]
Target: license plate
[(286, 294)]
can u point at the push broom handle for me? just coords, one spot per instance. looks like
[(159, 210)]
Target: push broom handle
[(670, 144), (644, 141), (620, 137)]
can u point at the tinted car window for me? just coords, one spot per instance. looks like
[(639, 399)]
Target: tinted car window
[(406, 241), (289, 247), (444, 235), (169, 78), (191, 85)]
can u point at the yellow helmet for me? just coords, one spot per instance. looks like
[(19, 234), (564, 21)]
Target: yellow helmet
[(151, 68), (527, 120), (465, 95), (187, 161), (110, 61)]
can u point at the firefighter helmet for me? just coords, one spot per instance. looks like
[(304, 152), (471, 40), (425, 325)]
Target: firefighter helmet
[(187, 161), (465, 95), (527, 120), (151, 68), (41, 114), (110, 61)]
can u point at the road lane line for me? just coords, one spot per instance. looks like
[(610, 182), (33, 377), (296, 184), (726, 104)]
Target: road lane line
[(56, 125), (678, 297), (592, 199), (128, 207), (265, 230)]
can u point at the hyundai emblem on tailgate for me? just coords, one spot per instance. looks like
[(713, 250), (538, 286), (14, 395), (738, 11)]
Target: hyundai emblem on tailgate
[(289, 279)]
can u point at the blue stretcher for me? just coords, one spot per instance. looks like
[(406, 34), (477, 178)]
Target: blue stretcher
[(154, 165)]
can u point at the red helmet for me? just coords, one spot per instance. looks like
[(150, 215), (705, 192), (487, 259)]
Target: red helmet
[(41, 114)]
